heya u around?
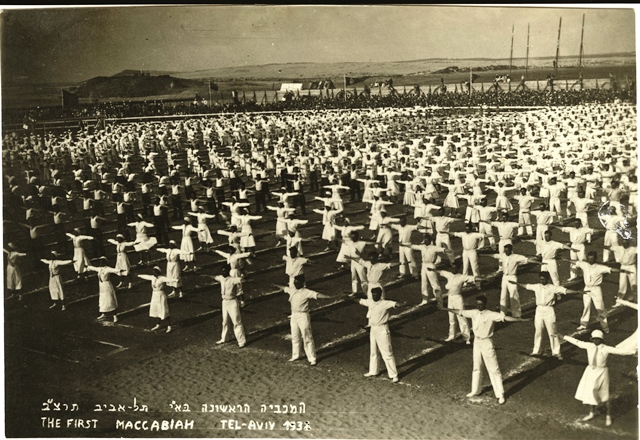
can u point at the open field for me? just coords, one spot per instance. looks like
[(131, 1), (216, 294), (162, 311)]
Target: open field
[(70, 357)]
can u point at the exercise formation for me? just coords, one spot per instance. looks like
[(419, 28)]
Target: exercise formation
[(385, 198)]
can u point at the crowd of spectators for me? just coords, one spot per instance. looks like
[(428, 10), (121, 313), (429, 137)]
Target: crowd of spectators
[(335, 100)]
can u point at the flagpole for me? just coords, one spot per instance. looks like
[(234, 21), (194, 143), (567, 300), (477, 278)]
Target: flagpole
[(344, 86), (209, 92), (526, 66), (511, 55), (470, 80), (581, 46), (555, 71)]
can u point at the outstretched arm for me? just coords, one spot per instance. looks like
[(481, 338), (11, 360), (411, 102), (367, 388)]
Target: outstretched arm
[(512, 319)]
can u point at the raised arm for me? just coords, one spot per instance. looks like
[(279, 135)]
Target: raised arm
[(222, 254)]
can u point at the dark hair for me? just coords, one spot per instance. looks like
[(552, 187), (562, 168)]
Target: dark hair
[(482, 299)]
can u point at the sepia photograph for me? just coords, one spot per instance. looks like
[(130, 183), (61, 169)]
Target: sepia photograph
[(320, 221)]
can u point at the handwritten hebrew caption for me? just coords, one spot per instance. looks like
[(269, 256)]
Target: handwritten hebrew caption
[(51, 421), (261, 425), (280, 416)]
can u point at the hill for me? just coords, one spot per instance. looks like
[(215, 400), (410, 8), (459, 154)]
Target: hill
[(133, 84), (292, 71)]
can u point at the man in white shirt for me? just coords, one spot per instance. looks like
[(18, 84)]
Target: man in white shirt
[(582, 204), (404, 249), (545, 294), (455, 282), (230, 306), (379, 335), (429, 283), (525, 201), (484, 216), (615, 225), (441, 225), (506, 230), (593, 274), (627, 256), (301, 333), (374, 269), (484, 352), (509, 263), (294, 264), (471, 242), (548, 250), (543, 219), (578, 236)]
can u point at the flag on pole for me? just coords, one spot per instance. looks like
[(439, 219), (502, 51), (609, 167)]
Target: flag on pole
[(69, 99), (474, 77), (213, 86)]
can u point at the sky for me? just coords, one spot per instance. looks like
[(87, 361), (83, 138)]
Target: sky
[(75, 44)]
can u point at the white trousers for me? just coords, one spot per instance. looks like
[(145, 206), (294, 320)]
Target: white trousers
[(231, 314), (551, 266), (485, 228), (406, 259), (301, 335), (610, 239), (577, 256), (546, 317), (627, 280), (484, 354), (358, 273), (380, 340), (457, 302), (509, 295), (594, 295), (429, 284), (540, 230), (470, 262), (443, 240), (524, 218)]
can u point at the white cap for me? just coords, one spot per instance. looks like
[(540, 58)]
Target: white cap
[(597, 334)]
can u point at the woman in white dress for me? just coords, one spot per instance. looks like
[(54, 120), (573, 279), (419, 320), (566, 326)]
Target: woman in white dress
[(55, 282), (143, 242), (204, 233), (281, 223), (14, 274), (409, 191), (187, 249), (80, 259), (107, 301), (174, 272), (502, 201), (593, 389), (159, 305), (122, 260), (455, 189), (247, 241), (328, 221)]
